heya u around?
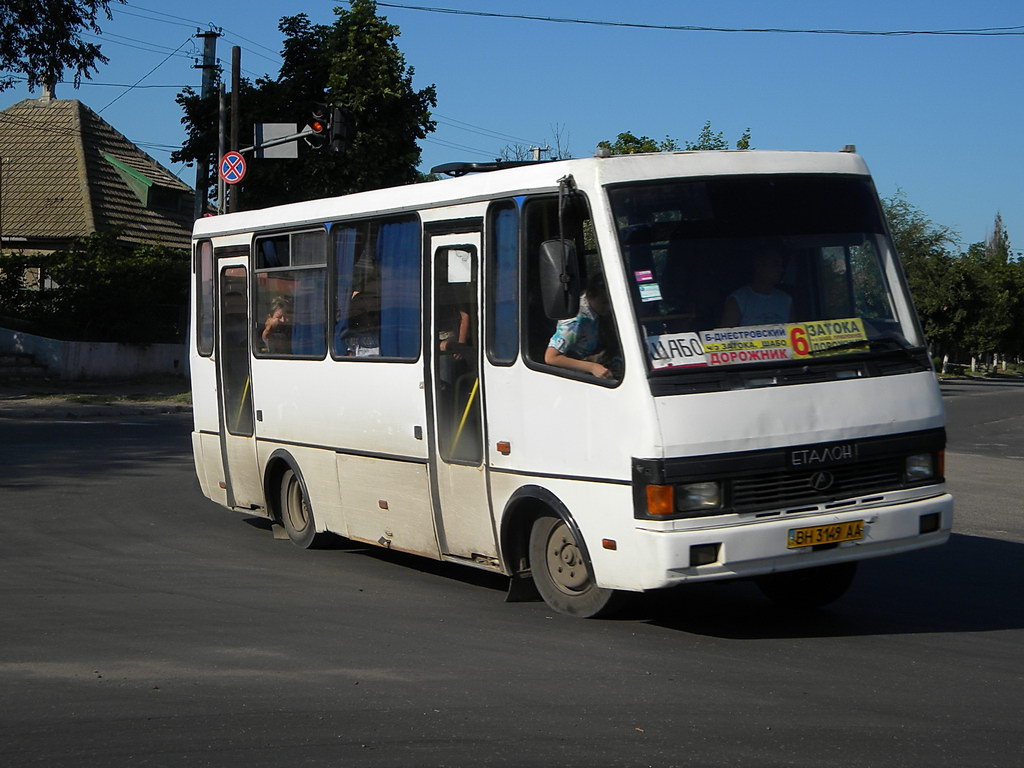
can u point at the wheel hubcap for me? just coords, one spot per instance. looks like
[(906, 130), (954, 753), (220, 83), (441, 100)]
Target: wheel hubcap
[(565, 561), (297, 510)]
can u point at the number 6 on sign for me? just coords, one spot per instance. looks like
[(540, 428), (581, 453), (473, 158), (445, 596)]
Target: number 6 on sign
[(798, 341)]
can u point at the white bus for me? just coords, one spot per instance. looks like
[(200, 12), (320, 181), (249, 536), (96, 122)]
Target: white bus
[(595, 376)]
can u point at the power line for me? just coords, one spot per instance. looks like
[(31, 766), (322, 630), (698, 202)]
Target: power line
[(471, 128), (22, 78), (1013, 31), (194, 22), (123, 12), (133, 44), (154, 69), (460, 147)]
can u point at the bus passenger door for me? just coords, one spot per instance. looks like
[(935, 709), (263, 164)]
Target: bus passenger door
[(464, 522), (238, 443)]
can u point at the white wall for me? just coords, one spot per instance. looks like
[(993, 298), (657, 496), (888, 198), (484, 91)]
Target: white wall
[(96, 359)]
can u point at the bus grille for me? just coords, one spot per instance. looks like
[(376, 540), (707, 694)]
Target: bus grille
[(789, 488)]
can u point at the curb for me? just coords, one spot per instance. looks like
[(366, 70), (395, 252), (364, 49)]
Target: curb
[(32, 408)]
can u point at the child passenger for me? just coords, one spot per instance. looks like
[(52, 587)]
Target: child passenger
[(578, 342)]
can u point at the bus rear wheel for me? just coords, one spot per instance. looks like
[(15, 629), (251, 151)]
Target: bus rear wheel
[(296, 513), (809, 587), (561, 574)]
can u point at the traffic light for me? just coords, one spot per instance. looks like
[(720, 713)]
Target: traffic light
[(319, 125), (339, 129)]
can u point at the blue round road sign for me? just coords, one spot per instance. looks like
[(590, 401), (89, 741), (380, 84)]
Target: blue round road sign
[(232, 167)]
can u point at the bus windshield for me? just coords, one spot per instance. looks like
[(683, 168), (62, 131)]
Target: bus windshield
[(740, 272)]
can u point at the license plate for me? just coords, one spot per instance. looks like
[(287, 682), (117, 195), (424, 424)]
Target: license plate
[(816, 535)]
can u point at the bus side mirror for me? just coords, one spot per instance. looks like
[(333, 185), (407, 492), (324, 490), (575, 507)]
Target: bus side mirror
[(559, 279)]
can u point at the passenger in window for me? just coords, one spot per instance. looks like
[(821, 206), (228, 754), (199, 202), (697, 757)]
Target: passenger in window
[(581, 343), (363, 339), (277, 330), (760, 302), (453, 335)]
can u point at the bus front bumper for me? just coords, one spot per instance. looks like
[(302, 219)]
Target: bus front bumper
[(763, 546)]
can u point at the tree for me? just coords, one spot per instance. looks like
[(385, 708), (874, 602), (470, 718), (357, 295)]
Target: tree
[(353, 63), (968, 301), (925, 250), (42, 38), (98, 290), (629, 144), (995, 299), (709, 139)]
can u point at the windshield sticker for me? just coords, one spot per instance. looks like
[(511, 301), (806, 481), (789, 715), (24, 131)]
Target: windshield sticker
[(643, 275), (794, 341), (811, 339), (650, 292), (675, 350), (756, 344)]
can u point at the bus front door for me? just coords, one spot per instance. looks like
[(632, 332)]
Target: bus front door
[(238, 443), (465, 525)]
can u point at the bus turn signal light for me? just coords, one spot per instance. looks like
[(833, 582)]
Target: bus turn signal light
[(660, 500)]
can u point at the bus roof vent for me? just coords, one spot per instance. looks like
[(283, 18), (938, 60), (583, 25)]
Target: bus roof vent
[(461, 169), (850, 148)]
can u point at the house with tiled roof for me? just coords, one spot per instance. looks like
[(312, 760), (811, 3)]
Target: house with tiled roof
[(66, 173)]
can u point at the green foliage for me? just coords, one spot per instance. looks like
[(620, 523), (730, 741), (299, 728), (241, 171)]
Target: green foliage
[(969, 301), (925, 250), (42, 38), (630, 144), (354, 63), (98, 290)]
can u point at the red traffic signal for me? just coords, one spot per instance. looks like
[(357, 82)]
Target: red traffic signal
[(329, 126), (319, 125)]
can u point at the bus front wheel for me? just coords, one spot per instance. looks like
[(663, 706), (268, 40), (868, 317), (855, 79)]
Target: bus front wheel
[(296, 514), (809, 587), (561, 574)]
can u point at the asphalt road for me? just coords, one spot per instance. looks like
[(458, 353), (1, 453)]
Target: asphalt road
[(143, 625)]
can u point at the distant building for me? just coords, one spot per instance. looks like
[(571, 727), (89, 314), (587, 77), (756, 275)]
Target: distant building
[(66, 173)]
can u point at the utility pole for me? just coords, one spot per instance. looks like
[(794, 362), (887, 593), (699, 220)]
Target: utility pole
[(222, 143), (236, 85), (209, 67)]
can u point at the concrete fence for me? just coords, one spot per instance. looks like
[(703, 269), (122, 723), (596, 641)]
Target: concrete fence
[(96, 359)]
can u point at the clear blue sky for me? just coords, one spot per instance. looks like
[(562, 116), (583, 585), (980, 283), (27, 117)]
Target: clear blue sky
[(939, 116)]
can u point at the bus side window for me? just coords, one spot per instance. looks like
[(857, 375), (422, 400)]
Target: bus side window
[(290, 277), (377, 289), (204, 298), (503, 284), (586, 346)]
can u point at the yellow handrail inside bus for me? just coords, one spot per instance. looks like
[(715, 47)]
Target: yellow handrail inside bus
[(241, 402), (465, 414)]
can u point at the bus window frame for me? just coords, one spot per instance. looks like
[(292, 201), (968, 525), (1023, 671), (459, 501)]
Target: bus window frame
[(332, 280), (491, 283), (255, 270), (206, 303), (526, 272)]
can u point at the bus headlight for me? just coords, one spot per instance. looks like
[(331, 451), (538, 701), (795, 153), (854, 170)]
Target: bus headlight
[(688, 499), (920, 466), (698, 497)]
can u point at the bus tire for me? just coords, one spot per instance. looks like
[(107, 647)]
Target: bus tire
[(562, 575), (296, 512), (808, 588)]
